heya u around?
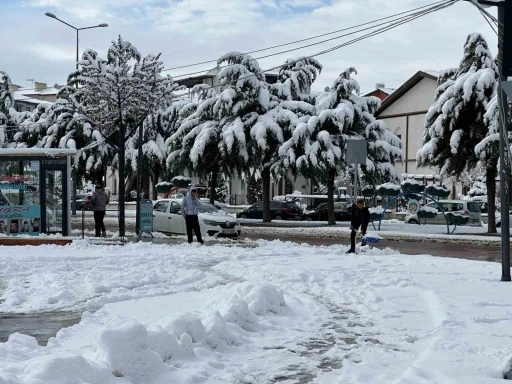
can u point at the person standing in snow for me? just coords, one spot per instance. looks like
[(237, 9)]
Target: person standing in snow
[(190, 211), (99, 201), (360, 218)]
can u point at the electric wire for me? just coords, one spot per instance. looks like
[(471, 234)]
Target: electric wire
[(313, 37), (389, 23)]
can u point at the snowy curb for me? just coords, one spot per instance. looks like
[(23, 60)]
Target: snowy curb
[(336, 233)]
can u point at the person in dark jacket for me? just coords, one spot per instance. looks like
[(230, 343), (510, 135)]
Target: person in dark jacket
[(190, 211), (360, 219), (99, 201)]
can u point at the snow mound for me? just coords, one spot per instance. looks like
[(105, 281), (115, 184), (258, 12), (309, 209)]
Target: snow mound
[(411, 182), (220, 334), (124, 345), (61, 369), (389, 186), (248, 302), (428, 209), (188, 324), (262, 298)]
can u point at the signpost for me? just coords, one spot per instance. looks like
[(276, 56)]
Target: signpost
[(146, 217), (356, 154)]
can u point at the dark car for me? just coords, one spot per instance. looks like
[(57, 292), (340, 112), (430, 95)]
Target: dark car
[(83, 201), (341, 212), (279, 210)]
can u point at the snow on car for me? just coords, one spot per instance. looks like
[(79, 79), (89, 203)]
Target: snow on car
[(167, 218)]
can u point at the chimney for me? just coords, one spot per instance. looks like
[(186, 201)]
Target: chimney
[(380, 85), (39, 86)]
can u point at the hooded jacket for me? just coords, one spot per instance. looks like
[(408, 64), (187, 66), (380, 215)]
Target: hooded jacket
[(190, 206), (99, 200), (360, 217)]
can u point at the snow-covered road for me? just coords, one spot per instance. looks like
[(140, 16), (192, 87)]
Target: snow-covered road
[(270, 312)]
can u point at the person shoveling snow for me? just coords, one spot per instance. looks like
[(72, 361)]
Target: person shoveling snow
[(360, 219)]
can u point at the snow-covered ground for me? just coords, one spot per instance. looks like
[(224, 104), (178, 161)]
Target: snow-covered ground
[(390, 229), (269, 312)]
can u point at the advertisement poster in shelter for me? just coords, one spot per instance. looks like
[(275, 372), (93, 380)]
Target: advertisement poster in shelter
[(20, 220)]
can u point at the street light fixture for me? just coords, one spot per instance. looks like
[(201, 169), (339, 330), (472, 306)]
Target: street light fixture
[(103, 25)]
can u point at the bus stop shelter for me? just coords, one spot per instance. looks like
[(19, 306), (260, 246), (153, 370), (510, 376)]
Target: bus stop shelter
[(35, 190)]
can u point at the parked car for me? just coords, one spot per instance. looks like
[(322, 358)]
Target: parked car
[(83, 201), (498, 219), (341, 212), (470, 208), (279, 210), (167, 218)]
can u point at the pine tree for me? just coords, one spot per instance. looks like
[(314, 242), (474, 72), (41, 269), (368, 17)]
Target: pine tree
[(8, 115), (194, 147), (457, 118), (33, 128), (254, 190), (119, 91), (318, 144), (290, 101)]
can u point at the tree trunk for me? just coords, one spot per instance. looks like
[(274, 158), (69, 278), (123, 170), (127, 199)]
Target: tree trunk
[(265, 175), (490, 181), (330, 197), (154, 177), (213, 185)]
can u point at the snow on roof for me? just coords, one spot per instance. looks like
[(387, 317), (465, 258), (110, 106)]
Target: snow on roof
[(32, 91), (26, 99), (433, 72), (51, 152), (49, 91), (389, 91)]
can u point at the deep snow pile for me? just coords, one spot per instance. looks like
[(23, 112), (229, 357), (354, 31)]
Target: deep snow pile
[(273, 312)]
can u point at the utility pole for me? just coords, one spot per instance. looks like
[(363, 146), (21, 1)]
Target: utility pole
[(139, 177), (504, 70)]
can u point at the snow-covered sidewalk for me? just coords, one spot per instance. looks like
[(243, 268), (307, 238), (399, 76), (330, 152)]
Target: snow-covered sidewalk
[(390, 230), (270, 312)]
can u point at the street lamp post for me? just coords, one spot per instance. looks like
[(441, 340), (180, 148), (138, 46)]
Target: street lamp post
[(103, 25)]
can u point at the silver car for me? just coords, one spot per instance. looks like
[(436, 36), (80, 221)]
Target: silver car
[(465, 207)]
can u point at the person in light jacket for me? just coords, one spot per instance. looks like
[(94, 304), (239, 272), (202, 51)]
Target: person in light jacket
[(190, 211), (99, 201)]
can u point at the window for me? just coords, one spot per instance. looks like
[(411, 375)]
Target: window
[(175, 207), (474, 207), (161, 206), (19, 182), (339, 205), (207, 208)]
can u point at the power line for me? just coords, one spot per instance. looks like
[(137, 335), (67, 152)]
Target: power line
[(488, 22), (313, 37), (446, 4), (320, 42), (323, 41)]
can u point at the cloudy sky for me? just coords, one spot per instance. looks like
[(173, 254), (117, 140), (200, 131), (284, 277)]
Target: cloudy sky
[(34, 46)]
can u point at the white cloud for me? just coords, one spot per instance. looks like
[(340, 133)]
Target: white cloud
[(188, 31), (51, 53)]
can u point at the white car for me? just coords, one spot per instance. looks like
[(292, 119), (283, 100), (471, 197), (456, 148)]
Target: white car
[(217, 203), (167, 218)]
